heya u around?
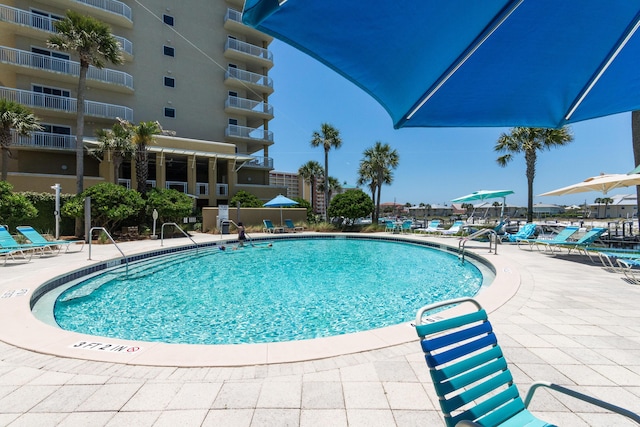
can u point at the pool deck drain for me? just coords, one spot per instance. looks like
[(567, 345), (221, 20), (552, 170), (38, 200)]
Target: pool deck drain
[(565, 320)]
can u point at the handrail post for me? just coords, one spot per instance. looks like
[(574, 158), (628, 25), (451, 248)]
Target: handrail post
[(181, 230), (126, 261)]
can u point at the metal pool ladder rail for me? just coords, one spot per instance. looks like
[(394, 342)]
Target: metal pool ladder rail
[(493, 239), (104, 230), (179, 228)]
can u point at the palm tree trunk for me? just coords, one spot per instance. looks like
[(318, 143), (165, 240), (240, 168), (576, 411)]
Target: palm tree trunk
[(142, 168), (326, 182), (530, 159), (82, 85), (635, 138)]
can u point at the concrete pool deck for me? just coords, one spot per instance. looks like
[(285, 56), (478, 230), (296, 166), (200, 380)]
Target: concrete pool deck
[(566, 321)]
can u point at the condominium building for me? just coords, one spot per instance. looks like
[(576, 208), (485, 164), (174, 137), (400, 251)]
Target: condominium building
[(191, 65)]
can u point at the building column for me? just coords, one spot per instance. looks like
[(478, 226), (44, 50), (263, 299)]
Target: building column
[(191, 174), (212, 181), (161, 171)]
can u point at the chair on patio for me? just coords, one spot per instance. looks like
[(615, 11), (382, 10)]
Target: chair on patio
[(582, 244), (289, 226), (561, 237), (38, 239), (405, 227), (8, 242), (455, 228), (270, 228), (433, 227), (525, 232), (471, 376), (13, 254)]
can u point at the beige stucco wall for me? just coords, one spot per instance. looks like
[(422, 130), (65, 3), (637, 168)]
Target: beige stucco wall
[(252, 216)]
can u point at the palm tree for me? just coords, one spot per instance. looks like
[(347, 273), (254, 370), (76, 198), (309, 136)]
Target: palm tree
[(94, 44), (381, 159), (143, 136), (635, 138), (366, 176), (530, 141), (327, 137), (16, 117), (117, 143), (334, 187), (496, 205), (310, 172), (605, 201)]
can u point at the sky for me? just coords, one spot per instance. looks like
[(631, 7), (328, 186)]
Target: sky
[(436, 164)]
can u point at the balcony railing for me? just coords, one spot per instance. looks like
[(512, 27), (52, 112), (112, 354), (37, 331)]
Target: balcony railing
[(260, 162), (249, 49), (176, 185), (233, 15), (151, 183), (249, 77), (69, 105), (45, 140), (222, 190), (113, 6), (248, 133), (44, 62), (45, 23), (248, 105), (202, 189)]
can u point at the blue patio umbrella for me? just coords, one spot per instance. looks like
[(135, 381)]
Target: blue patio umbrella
[(536, 63), (485, 194), (280, 201)]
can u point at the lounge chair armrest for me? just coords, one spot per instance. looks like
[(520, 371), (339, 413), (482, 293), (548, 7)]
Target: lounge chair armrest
[(581, 396)]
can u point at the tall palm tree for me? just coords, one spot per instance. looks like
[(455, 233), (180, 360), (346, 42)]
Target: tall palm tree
[(635, 138), (16, 117), (117, 143), (366, 176), (327, 137), (605, 201), (310, 172), (94, 44), (334, 187), (529, 141), (143, 136), (382, 160)]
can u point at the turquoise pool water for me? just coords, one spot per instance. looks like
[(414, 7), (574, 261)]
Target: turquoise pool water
[(296, 289)]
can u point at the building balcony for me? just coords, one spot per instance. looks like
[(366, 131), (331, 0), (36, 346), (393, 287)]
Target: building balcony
[(65, 105), (38, 26), (243, 79), (243, 51), (40, 65), (112, 12), (233, 23), (243, 133), (39, 140), (248, 107), (260, 162)]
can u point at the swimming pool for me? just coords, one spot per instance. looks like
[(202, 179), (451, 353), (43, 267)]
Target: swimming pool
[(298, 289)]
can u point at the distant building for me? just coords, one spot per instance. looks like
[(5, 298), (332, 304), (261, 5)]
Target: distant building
[(622, 206)]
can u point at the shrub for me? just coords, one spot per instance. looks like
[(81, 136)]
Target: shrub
[(351, 205), (14, 206), (171, 205), (110, 205), (246, 199)]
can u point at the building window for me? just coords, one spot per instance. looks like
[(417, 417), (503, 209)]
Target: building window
[(169, 51), (233, 122), (170, 82), (169, 112), (167, 19)]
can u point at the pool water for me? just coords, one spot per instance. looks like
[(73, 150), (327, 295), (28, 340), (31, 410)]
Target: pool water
[(297, 289)]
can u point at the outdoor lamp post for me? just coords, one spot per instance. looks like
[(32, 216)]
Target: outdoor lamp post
[(56, 211)]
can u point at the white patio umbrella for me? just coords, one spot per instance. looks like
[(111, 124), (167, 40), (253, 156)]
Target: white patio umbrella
[(602, 183), (485, 194), (280, 201)]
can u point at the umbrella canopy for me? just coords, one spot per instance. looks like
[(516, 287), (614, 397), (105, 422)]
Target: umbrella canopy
[(602, 183), (482, 195), (280, 201), (485, 194), (541, 63)]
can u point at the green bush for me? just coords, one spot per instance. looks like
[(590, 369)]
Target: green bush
[(110, 205), (14, 207), (171, 205), (246, 199), (351, 205)]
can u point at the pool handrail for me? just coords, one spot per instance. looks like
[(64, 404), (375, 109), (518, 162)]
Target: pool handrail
[(104, 230), (181, 230), (245, 233)]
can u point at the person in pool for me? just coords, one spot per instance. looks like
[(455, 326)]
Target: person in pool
[(241, 234)]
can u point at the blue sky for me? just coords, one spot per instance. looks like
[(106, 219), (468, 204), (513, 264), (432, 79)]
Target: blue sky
[(436, 164)]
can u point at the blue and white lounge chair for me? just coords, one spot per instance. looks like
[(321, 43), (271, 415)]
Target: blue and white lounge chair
[(561, 237), (455, 228), (390, 226), (582, 244), (525, 232), (8, 242), (289, 226), (38, 239), (270, 228), (433, 227), (405, 227), (471, 376), (15, 254)]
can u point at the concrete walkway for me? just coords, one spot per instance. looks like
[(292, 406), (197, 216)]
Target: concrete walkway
[(570, 322)]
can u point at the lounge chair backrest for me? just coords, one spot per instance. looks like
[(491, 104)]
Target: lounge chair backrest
[(591, 236), (31, 234), (289, 223), (6, 239), (434, 223), (566, 233), (267, 223), (468, 369), (526, 231)]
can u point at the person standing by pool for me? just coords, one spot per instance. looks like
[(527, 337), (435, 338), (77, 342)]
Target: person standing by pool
[(241, 234)]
